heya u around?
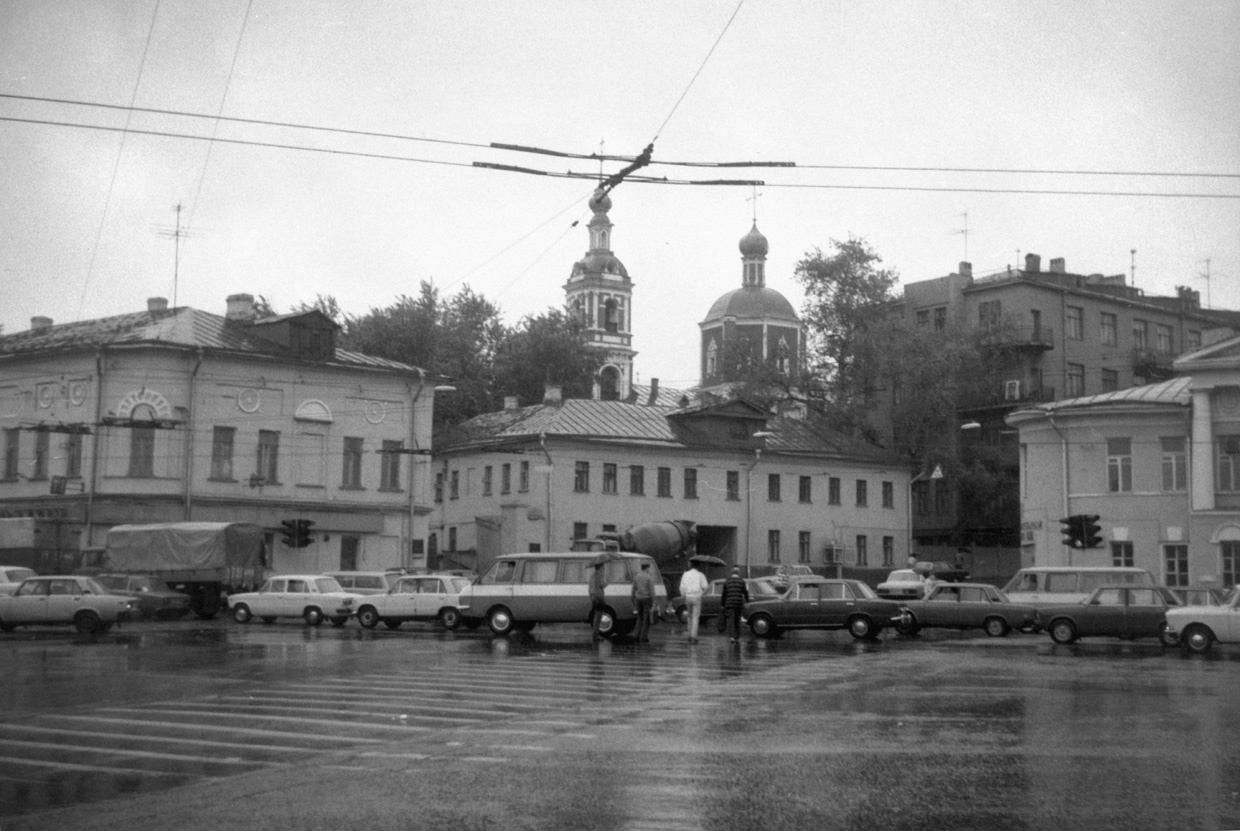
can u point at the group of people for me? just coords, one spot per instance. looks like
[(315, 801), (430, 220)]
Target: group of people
[(693, 585)]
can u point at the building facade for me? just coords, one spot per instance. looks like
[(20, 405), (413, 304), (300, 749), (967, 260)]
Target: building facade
[(180, 415), (1158, 464)]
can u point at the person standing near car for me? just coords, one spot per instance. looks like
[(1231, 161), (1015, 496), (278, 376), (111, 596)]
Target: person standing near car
[(597, 583), (643, 601), (692, 586), (735, 596)]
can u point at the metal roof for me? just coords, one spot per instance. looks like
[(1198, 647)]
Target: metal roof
[(1173, 391)]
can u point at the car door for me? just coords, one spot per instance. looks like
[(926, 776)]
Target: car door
[(401, 601), (272, 598), (1145, 613), (495, 586), (29, 604), (975, 605), (836, 602), (64, 599), (1103, 614), (942, 607)]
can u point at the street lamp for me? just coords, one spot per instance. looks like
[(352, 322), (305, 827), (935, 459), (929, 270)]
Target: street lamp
[(937, 473), (757, 456)]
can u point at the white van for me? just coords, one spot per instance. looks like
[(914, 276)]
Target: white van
[(519, 591), (1054, 585)]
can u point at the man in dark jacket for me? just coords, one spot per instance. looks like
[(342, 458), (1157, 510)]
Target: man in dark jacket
[(597, 583), (733, 599)]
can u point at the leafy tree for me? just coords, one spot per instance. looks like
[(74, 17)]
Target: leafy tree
[(549, 348), (324, 303)]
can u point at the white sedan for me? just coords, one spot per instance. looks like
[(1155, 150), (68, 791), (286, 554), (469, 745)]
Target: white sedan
[(64, 599), (1198, 627), (416, 597), (311, 597)]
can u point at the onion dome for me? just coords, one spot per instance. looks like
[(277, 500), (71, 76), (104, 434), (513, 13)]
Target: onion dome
[(754, 244), (752, 303), (600, 202)]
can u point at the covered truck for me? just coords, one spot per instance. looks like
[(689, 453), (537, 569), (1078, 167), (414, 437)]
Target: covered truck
[(202, 559)]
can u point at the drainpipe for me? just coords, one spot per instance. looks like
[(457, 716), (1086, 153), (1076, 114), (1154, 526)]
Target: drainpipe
[(188, 494), (94, 455), (542, 442), (1063, 443), (757, 457)]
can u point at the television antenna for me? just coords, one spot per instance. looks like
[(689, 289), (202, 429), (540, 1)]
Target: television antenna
[(175, 233)]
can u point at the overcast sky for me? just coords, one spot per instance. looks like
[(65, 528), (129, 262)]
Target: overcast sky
[(1124, 87)]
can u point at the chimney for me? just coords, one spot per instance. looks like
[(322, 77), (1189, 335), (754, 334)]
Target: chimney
[(240, 308), (40, 322), (510, 402), (1033, 263), (1058, 266), (553, 394), (157, 304), (654, 392), (966, 269)]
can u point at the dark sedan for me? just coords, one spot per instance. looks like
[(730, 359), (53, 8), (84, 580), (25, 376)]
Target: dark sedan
[(759, 587), (823, 603), (154, 598), (968, 606), (1113, 611)]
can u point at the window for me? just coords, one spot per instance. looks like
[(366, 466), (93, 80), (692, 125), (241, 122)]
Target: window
[(772, 487), (989, 312), (941, 497), (1110, 380), (1076, 380), (1192, 340), (772, 545), (268, 456), (1119, 465), (454, 485), (940, 318), (523, 478), (505, 477), (41, 444), (833, 491), (540, 571), (1107, 329), (452, 538), (803, 547), (889, 551), (222, 439), (142, 452), (1228, 463), (1140, 334), (805, 489), (352, 476), (609, 477), (889, 495), (690, 483), (637, 480), (1175, 565), (921, 498), (487, 480), (1121, 554), (863, 557), (12, 445), (439, 487), (863, 496), (1163, 342), (581, 477), (665, 481), (389, 466), (734, 485), (1230, 551), (1074, 322), (1174, 464), (923, 317), (73, 454), (348, 552), (581, 530)]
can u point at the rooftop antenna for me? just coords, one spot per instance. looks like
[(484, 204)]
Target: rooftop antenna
[(175, 233), (601, 144), (1206, 277), (754, 199), (1132, 268), (965, 232)]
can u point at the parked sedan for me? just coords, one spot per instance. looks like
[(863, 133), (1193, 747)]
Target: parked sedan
[(154, 598), (1198, 627), (12, 576), (1203, 596), (823, 603), (759, 588), (311, 597), (415, 597), (1113, 611), (968, 606), (65, 599), (902, 584)]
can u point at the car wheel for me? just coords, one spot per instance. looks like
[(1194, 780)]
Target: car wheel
[(1062, 631), (1197, 638), (682, 614), (910, 628), (996, 627), (86, 622), (861, 627), (241, 613), (268, 619), (1166, 637), (313, 616), (392, 623), (340, 621), (450, 618), (763, 626), (606, 622), (500, 620), (368, 617)]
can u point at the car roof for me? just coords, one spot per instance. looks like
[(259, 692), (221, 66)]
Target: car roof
[(297, 576), (571, 555), (355, 574), (1117, 569)]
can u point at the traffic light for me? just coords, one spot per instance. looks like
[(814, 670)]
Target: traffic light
[(297, 532), (1091, 531), (1070, 529)]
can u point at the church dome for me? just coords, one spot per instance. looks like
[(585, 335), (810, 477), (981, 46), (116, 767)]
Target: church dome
[(752, 303), (754, 244), (600, 202), (600, 262)]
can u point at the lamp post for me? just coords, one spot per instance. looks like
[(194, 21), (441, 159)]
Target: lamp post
[(757, 457), (937, 473)]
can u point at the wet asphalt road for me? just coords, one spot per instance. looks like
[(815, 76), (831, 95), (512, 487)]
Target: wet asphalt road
[(190, 726)]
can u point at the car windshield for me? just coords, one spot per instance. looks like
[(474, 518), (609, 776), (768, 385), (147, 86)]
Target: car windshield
[(327, 584), (141, 584), (904, 575), (16, 575)]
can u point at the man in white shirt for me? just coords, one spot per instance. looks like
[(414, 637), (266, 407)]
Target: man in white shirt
[(692, 586)]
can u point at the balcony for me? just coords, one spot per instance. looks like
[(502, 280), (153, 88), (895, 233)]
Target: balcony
[(1009, 394), (1152, 364), (1018, 336)]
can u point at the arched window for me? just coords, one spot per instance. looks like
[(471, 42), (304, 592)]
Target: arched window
[(712, 358), (611, 315), (609, 384)]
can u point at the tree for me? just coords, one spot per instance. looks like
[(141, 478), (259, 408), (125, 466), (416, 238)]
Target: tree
[(324, 303), (549, 348)]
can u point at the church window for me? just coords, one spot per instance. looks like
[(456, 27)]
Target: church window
[(712, 358), (611, 315)]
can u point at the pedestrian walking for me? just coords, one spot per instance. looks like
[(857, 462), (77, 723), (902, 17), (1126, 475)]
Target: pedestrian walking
[(643, 601), (597, 583), (735, 596), (692, 586)]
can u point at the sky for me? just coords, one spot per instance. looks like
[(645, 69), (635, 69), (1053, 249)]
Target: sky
[(1098, 92)]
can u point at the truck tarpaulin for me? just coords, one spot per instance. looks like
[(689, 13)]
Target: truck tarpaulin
[(226, 547)]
